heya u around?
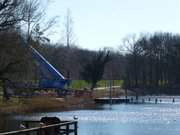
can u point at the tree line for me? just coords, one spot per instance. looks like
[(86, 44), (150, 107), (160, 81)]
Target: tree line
[(153, 62), (21, 27), (150, 62)]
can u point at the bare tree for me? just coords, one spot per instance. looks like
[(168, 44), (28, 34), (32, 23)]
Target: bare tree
[(10, 16), (68, 41), (34, 18), (13, 13), (12, 57), (68, 34), (10, 13)]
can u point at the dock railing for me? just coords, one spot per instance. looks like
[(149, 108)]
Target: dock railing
[(65, 128)]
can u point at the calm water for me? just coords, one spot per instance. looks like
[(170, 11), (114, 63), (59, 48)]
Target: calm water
[(131, 119)]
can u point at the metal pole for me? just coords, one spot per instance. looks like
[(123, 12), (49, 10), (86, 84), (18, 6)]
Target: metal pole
[(110, 91)]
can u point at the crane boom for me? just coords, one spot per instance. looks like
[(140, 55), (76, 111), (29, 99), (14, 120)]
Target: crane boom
[(50, 76)]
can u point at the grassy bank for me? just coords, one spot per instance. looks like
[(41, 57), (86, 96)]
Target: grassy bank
[(50, 103), (44, 104)]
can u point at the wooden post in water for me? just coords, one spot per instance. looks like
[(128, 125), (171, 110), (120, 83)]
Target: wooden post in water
[(110, 92), (126, 94), (27, 126), (156, 100), (75, 128), (67, 129), (173, 100)]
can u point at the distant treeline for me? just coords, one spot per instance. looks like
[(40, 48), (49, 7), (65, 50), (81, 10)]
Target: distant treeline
[(17, 63), (153, 62), (150, 62)]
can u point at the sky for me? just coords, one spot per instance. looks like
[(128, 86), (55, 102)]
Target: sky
[(105, 23)]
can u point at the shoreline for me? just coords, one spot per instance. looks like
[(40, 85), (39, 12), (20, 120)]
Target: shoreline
[(53, 103), (68, 103), (46, 104)]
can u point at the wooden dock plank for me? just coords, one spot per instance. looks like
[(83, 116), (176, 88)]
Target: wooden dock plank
[(36, 129), (114, 100)]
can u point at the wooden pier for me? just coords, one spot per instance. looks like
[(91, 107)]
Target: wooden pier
[(65, 128), (113, 100)]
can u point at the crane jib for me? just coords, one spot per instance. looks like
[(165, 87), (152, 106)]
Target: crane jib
[(50, 76)]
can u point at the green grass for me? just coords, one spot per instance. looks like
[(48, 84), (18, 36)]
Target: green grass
[(105, 83), (78, 84), (81, 84)]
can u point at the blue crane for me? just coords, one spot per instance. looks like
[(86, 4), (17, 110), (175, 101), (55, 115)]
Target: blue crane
[(50, 76)]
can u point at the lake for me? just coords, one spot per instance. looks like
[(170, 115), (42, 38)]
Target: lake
[(120, 119)]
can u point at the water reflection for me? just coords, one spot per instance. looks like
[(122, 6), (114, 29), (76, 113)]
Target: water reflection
[(131, 119)]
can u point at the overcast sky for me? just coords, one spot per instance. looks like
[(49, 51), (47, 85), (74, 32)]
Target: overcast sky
[(104, 23)]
